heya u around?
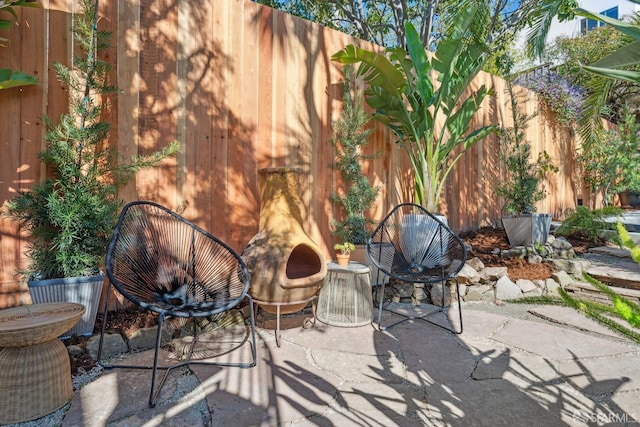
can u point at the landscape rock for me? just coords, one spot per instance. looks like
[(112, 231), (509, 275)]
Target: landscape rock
[(494, 273), (506, 289), (476, 263), (112, 345), (561, 243), (74, 350), (462, 289), (468, 275), (551, 288), (476, 293), (537, 292), (574, 266), (526, 285), (517, 252), (402, 290), (418, 293), (489, 295), (440, 295), (534, 259), (145, 338), (563, 278)]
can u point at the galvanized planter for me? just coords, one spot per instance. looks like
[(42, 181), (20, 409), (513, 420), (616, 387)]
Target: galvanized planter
[(85, 290), (527, 229)]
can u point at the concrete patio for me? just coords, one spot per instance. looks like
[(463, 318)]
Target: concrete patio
[(512, 365)]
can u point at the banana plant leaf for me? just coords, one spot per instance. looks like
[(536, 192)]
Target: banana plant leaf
[(9, 79), (612, 73)]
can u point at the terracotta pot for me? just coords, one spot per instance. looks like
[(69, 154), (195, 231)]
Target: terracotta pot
[(287, 268), (343, 259)]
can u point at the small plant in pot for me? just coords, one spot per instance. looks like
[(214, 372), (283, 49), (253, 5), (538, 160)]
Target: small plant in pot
[(71, 214), (345, 249), (522, 186), (357, 194)]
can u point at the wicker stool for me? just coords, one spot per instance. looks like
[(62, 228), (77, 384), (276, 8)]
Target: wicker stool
[(345, 298), (35, 372)]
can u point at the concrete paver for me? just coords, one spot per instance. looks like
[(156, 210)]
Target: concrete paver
[(507, 368), (555, 342), (569, 316)]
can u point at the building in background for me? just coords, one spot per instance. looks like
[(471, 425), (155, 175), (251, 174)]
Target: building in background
[(579, 25)]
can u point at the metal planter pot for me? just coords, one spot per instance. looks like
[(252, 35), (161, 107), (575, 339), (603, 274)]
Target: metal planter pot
[(629, 198), (85, 290), (527, 229)]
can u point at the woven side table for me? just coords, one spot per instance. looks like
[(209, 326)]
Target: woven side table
[(345, 298), (35, 372)]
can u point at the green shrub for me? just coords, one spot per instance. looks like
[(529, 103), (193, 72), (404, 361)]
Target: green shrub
[(621, 314), (589, 223)]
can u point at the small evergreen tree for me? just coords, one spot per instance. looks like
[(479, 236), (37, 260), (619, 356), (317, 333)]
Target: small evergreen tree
[(71, 214), (521, 188), (350, 137)]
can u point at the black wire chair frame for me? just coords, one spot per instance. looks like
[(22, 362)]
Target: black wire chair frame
[(412, 245), (164, 263)]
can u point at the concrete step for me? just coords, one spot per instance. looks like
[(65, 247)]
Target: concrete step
[(613, 266), (630, 219), (588, 291)]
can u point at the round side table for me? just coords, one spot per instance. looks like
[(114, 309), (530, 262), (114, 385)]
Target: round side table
[(345, 298), (35, 372)]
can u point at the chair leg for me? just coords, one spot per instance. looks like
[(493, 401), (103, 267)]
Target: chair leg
[(459, 307), (252, 327), (104, 323), (155, 389), (423, 317), (153, 395), (310, 322), (380, 303)]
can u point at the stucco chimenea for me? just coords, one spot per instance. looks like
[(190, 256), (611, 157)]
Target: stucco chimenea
[(287, 267)]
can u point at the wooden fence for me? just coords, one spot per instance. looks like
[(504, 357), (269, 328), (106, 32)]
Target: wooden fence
[(241, 87)]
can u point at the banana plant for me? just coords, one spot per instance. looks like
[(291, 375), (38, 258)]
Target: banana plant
[(426, 100), (10, 78)]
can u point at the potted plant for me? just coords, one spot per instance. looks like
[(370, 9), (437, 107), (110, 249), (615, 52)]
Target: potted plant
[(521, 188), (71, 214), (357, 194), (612, 164), (431, 123), (345, 249)]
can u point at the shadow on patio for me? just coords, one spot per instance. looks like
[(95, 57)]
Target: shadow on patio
[(503, 370)]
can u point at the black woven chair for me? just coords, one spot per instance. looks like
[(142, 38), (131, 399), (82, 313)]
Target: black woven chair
[(412, 245), (166, 264)]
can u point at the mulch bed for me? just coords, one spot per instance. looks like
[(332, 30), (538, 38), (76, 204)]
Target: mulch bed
[(484, 241)]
